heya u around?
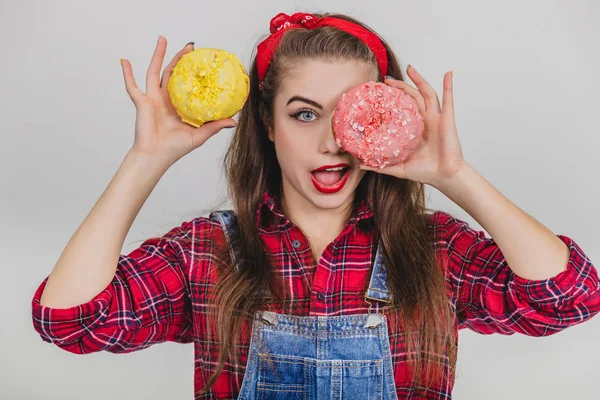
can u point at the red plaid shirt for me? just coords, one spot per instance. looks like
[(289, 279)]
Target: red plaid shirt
[(160, 286)]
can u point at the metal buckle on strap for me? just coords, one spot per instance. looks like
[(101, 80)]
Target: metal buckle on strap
[(269, 318), (381, 311), (374, 319)]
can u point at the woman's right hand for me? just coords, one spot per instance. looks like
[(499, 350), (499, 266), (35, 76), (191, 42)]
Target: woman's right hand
[(159, 131)]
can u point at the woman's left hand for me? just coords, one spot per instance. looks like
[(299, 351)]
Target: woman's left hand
[(438, 156)]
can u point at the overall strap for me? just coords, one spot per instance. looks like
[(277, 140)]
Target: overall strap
[(228, 220), (378, 286)]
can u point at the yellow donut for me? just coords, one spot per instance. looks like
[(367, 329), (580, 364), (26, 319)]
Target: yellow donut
[(208, 84)]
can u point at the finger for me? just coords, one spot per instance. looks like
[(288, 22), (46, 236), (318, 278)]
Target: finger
[(413, 92), (153, 74), (169, 68), (447, 96), (391, 170), (365, 167), (431, 97), (132, 89), (209, 129)]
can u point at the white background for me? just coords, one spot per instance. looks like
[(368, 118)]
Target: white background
[(526, 102)]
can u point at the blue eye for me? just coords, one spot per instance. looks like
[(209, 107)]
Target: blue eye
[(303, 112)]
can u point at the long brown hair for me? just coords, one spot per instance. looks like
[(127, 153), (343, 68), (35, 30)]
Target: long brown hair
[(415, 279)]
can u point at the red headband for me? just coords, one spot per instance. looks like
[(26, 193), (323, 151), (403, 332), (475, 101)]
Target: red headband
[(282, 22)]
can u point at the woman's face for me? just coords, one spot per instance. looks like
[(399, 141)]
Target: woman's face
[(303, 135)]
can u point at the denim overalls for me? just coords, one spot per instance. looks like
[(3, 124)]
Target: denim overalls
[(319, 357)]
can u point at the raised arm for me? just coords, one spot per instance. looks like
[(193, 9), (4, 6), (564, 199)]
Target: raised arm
[(98, 294)]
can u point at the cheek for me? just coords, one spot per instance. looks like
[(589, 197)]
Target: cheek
[(293, 143), (292, 154), (287, 142), (296, 139), (287, 148), (285, 138)]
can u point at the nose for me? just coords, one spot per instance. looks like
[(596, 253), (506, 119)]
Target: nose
[(328, 143)]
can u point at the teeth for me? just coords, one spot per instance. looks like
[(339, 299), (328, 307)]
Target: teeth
[(335, 169)]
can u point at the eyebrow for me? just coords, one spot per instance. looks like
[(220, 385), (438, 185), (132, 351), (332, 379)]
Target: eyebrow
[(304, 99)]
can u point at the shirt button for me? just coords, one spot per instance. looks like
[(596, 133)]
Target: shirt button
[(321, 296), (296, 243)]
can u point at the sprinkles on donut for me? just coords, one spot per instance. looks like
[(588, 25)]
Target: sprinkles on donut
[(378, 124)]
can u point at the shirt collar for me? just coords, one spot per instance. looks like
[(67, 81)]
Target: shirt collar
[(269, 216)]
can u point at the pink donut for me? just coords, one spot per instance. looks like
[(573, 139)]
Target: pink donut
[(378, 124)]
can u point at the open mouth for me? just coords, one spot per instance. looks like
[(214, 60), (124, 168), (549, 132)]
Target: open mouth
[(331, 177)]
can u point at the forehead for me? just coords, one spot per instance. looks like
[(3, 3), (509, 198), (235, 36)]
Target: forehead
[(324, 81)]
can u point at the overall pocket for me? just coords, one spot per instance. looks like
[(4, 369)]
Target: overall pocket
[(362, 379), (348, 379), (302, 378), (281, 377)]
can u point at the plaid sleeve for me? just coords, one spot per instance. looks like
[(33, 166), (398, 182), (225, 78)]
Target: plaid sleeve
[(147, 302), (490, 298)]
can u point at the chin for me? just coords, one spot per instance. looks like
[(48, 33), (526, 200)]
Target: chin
[(330, 201)]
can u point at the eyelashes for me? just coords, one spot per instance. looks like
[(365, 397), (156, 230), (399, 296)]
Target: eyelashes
[(300, 112)]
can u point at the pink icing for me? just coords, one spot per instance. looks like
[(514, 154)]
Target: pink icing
[(378, 124)]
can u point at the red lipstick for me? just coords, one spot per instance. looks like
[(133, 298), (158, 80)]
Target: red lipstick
[(333, 188)]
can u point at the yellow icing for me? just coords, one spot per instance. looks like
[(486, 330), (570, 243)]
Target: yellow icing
[(208, 84)]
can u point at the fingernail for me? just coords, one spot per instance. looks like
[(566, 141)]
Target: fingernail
[(390, 77), (410, 66), (192, 43)]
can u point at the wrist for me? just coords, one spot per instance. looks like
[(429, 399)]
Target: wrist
[(459, 177), (150, 162)]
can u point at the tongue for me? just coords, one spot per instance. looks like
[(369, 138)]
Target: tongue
[(328, 177)]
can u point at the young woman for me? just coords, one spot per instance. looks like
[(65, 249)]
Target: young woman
[(355, 292)]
